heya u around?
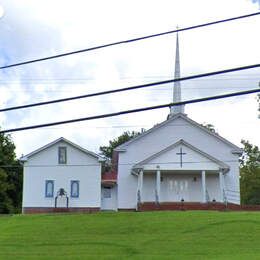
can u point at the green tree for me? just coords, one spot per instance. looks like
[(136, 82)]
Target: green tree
[(250, 174), (210, 127), (258, 100), (107, 151), (5, 201), (10, 177)]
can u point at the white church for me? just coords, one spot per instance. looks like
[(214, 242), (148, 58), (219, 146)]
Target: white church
[(177, 164)]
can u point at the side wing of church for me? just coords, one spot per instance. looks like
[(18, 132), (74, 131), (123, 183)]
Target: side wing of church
[(61, 175)]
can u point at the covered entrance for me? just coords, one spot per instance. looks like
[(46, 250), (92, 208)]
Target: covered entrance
[(108, 197), (109, 191), (169, 177)]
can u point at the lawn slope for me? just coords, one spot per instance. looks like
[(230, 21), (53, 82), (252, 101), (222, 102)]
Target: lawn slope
[(148, 235)]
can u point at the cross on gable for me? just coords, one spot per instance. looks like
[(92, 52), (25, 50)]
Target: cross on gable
[(181, 154)]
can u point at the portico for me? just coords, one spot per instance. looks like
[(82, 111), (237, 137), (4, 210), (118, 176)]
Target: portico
[(180, 186), (196, 178)]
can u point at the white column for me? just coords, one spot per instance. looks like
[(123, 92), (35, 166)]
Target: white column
[(203, 182), (221, 186), (158, 183), (140, 188)]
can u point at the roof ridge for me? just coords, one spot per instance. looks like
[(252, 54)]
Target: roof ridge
[(25, 157), (185, 117)]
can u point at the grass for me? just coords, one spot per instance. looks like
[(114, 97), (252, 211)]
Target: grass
[(148, 235)]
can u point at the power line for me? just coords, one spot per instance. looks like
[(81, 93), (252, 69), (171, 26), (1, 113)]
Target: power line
[(132, 88), (132, 111), (130, 40)]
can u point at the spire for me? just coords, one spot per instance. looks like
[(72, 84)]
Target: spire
[(177, 84)]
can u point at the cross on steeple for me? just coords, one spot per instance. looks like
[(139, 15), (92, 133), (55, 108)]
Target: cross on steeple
[(181, 154)]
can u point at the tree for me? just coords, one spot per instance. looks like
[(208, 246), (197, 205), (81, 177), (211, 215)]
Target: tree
[(258, 100), (107, 151), (10, 177), (210, 127), (250, 174), (5, 201)]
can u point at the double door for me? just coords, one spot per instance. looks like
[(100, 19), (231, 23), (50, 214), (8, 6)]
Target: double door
[(177, 188)]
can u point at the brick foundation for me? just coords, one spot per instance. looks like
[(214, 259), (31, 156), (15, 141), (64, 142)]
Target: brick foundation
[(33, 210), (149, 206), (129, 209)]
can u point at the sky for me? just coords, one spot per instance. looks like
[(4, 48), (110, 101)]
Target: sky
[(32, 29)]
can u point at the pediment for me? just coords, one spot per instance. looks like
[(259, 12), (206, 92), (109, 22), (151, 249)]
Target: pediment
[(181, 156), (234, 149)]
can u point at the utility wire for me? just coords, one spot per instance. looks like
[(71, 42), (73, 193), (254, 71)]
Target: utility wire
[(132, 111), (130, 40), (132, 88)]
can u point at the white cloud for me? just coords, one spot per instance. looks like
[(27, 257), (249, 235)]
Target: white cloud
[(32, 29)]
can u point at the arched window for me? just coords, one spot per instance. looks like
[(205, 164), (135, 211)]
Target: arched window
[(49, 188), (74, 189)]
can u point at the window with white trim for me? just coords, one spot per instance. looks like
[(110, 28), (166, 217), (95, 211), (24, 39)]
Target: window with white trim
[(49, 188), (74, 189), (62, 155)]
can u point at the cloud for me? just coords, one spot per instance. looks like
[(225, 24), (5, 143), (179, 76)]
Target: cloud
[(32, 29), (256, 1), (1, 11)]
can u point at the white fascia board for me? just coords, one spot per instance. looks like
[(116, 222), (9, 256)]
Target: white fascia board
[(56, 141), (123, 146)]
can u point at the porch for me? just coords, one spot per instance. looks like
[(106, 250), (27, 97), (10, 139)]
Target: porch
[(177, 188)]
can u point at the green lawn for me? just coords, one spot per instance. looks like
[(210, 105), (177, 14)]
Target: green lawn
[(149, 235)]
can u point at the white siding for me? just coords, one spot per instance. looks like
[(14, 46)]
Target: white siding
[(44, 166), (161, 138)]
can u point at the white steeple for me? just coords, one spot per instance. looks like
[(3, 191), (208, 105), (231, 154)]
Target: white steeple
[(177, 84)]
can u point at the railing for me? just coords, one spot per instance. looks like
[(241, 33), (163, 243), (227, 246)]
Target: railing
[(233, 195), (156, 197), (225, 200), (138, 197), (207, 196)]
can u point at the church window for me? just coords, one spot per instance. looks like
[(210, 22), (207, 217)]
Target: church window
[(62, 154), (49, 188), (74, 189)]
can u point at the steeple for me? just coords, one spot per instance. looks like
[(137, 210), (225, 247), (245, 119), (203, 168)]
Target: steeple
[(177, 84)]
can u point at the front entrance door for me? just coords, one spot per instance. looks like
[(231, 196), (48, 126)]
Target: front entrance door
[(108, 198), (177, 188)]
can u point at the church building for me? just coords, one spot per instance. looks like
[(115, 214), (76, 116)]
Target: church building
[(177, 164)]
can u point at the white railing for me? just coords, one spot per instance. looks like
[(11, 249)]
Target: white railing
[(233, 195), (138, 197), (207, 196), (156, 197)]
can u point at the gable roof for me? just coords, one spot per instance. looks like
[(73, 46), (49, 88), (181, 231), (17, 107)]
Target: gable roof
[(235, 148), (182, 142), (25, 157)]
